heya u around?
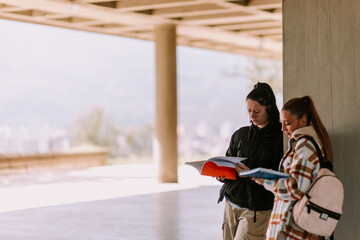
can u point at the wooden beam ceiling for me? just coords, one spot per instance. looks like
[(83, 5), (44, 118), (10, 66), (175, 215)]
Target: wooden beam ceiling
[(251, 27)]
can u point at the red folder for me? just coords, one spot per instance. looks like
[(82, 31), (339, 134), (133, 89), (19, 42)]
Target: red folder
[(217, 166)]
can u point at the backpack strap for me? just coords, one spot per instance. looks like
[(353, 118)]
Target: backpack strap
[(323, 163)]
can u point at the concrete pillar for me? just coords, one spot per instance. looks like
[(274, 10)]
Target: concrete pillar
[(166, 103), (321, 59)]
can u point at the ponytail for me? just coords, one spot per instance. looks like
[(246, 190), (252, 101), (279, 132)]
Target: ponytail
[(305, 106)]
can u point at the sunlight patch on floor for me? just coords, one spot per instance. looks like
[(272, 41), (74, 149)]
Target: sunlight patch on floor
[(43, 189)]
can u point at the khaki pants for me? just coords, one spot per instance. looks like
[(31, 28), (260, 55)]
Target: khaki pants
[(239, 224)]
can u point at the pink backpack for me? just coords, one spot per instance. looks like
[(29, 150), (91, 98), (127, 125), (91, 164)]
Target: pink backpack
[(320, 209)]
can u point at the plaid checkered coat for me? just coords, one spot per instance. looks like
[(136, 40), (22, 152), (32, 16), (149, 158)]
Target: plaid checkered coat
[(302, 163)]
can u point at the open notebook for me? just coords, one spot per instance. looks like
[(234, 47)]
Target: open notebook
[(264, 173)]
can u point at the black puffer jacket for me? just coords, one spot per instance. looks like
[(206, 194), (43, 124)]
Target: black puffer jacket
[(262, 148)]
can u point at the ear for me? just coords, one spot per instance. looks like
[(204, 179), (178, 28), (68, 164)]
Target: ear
[(303, 121)]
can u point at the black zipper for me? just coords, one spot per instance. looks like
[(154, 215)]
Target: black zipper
[(324, 213)]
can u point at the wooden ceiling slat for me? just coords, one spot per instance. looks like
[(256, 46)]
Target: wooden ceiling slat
[(266, 31), (263, 4), (12, 9), (194, 9), (223, 19), (139, 5), (252, 27)]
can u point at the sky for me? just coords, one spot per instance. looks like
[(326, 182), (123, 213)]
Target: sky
[(51, 75), (56, 73)]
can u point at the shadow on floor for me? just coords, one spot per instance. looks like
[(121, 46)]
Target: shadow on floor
[(173, 215)]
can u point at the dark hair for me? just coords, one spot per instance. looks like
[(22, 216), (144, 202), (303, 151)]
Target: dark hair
[(305, 106), (264, 95)]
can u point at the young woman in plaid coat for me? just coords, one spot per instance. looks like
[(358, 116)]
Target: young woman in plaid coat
[(298, 117)]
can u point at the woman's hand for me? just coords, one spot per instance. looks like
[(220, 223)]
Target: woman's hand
[(241, 167), (259, 181)]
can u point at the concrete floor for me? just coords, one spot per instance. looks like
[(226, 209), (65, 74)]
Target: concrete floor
[(108, 203)]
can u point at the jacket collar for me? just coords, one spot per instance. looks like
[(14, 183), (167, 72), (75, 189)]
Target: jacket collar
[(268, 126), (308, 130)]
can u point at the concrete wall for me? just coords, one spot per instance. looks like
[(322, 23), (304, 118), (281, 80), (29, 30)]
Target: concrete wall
[(322, 59)]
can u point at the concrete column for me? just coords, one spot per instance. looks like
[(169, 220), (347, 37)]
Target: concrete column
[(321, 59), (166, 103)]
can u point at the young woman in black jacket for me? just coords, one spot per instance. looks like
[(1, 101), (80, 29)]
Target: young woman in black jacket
[(248, 205)]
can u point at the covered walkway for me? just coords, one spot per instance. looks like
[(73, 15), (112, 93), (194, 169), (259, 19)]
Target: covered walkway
[(109, 203)]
